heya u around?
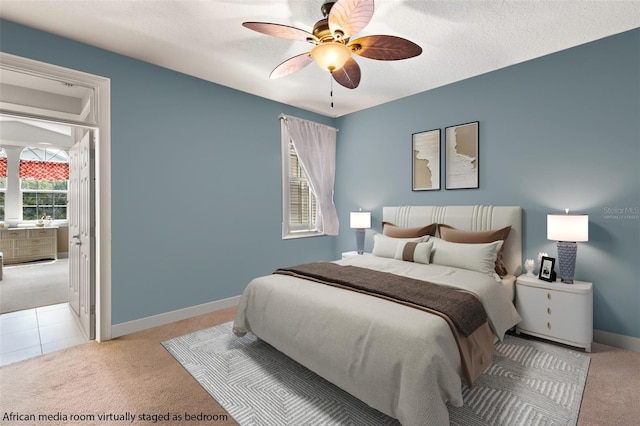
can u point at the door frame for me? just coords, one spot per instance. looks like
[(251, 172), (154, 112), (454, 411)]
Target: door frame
[(102, 124)]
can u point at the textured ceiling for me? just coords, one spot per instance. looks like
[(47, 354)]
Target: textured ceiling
[(460, 39)]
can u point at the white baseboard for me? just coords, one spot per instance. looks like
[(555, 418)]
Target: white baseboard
[(617, 340), (129, 327)]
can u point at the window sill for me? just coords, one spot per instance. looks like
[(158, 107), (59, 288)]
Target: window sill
[(303, 234)]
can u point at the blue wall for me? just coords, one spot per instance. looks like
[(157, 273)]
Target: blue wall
[(196, 205), (561, 131)]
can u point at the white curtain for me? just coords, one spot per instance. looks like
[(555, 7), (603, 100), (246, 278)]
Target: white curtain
[(315, 145)]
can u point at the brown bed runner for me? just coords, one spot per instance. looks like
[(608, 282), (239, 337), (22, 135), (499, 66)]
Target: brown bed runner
[(462, 310)]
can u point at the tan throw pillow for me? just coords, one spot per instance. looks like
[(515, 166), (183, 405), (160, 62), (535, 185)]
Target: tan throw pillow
[(391, 230), (451, 234)]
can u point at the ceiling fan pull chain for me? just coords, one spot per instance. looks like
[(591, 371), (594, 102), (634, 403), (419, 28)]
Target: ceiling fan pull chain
[(331, 91)]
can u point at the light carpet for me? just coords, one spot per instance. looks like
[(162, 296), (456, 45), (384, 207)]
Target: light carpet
[(30, 285), (529, 383)]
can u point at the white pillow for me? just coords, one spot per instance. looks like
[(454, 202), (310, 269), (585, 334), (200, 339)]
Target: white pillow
[(475, 257), (394, 248)]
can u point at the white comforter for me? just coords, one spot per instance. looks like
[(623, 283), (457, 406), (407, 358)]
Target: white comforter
[(401, 361)]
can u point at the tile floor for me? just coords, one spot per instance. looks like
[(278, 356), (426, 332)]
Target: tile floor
[(33, 332)]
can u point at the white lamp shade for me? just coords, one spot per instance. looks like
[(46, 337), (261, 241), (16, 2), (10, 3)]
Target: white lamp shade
[(331, 56), (360, 220), (568, 227)]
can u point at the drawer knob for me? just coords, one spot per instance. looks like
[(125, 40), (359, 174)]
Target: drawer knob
[(549, 325), (549, 296), (549, 311)]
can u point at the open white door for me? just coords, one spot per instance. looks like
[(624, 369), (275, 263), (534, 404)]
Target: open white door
[(81, 216), (74, 227)]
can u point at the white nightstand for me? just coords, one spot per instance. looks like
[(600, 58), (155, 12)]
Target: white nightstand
[(556, 311), (347, 254)]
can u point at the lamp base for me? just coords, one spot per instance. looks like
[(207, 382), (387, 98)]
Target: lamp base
[(567, 252), (360, 240)]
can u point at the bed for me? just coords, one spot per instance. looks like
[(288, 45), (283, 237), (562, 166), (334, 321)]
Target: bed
[(402, 361)]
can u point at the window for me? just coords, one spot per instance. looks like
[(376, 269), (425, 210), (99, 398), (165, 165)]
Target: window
[(44, 183), (299, 203), (3, 181), (308, 171)]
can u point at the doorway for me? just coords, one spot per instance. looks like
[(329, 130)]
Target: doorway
[(36, 82), (37, 315)]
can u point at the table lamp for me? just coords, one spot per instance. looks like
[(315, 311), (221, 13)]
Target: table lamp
[(567, 229), (360, 221)]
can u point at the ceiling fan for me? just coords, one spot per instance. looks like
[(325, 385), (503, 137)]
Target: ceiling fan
[(333, 47)]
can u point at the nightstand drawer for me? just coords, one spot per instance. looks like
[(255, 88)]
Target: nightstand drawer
[(35, 242), (42, 233), (44, 252), (13, 234)]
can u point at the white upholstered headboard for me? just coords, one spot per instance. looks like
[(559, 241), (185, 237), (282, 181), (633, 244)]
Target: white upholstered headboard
[(468, 218)]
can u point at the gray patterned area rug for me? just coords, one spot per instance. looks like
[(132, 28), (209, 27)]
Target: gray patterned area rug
[(529, 383)]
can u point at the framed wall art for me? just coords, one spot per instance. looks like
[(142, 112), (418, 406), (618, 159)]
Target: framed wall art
[(461, 156), (425, 162)]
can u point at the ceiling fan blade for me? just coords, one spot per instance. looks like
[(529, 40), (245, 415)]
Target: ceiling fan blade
[(281, 31), (348, 17), (385, 47), (291, 65), (349, 75)]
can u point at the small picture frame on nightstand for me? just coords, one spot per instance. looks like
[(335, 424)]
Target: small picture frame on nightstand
[(547, 272)]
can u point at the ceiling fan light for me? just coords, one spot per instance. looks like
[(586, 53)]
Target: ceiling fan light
[(331, 56)]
